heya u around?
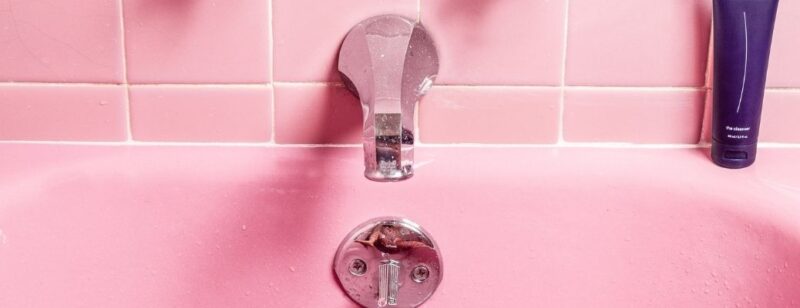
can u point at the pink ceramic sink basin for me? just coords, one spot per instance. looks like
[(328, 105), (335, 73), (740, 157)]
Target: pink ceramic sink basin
[(258, 227)]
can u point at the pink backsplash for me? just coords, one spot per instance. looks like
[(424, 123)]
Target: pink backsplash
[(551, 72)]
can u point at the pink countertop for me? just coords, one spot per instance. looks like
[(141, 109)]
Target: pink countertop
[(141, 226)]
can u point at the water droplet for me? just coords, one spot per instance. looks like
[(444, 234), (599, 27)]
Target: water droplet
[(291, 268), (244, 227), (103, 103)]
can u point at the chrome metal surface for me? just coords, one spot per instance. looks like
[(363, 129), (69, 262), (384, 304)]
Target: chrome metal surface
[(389, 62), (402, 264)]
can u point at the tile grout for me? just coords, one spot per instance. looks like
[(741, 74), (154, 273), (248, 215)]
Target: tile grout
[(708, 100), (338, 84), (125, 83), (609, 145), (563, 94), (273, 126), (419, 11)]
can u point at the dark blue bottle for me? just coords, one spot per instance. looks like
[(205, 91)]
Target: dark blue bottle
[(742, 39)]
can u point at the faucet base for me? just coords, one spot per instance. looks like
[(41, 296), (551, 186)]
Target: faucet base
[(395, 175)]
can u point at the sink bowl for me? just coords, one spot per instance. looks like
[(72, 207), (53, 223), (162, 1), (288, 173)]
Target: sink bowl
[(192, 226)]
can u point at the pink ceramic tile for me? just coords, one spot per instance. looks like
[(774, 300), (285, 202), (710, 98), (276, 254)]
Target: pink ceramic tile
[(167, 113), (779, 120), (308, 33), (69, 113), (784, 62), (185, 41), (633, 116), (497, 42), (60, 41), (638, 43), (489, 115), (317, 114)]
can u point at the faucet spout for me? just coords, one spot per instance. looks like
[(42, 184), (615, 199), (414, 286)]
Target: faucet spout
[(389, 62)]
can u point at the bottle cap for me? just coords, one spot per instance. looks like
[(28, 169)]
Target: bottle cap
[(733, 156)]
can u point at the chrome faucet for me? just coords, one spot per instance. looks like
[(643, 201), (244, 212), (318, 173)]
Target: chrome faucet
[(389, 62)]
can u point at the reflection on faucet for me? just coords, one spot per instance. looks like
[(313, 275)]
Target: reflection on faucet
[(389, 62)]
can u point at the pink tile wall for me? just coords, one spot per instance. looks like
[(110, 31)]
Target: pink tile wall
[(63, 113), (633, 116), (308, 33), (517, 42), (785, 64), (263, 71), (517, 115), (61, 41), (186, 41), (638, 43), (203, 114), (316, 114), (780, 117)]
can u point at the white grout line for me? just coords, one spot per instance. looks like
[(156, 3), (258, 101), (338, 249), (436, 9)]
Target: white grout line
[(198, 86), (300, 84), (54, 84), (272, 69), (563, 98), (783, 90), (125, 72), (770, 145), (598, 145), (636, 89), (178, 144), (338, 84), (566, 145), (419, 11), (575, 88), (417, 131), (708, 85), (509, 87)]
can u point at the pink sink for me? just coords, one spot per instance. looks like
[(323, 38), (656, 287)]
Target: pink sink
[(139, 226)]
